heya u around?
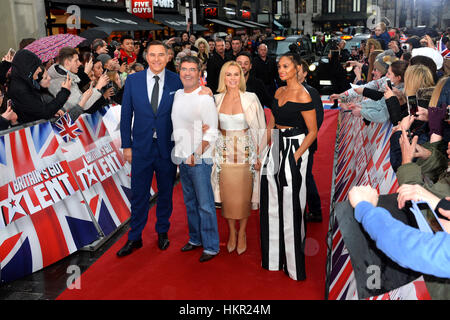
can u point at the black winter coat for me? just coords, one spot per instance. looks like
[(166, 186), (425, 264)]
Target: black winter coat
[(27, 102)]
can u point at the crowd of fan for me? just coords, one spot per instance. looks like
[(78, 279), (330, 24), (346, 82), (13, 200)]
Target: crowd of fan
[(407, 84), (86, 79)]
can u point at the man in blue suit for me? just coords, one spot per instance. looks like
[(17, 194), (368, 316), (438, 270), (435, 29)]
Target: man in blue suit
[(147, 144)]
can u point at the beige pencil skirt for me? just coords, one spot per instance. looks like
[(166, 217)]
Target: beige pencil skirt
[(233, 154)]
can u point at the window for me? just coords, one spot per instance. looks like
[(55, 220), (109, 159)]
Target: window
[(356, 5), (331, 6), (301, 6), (314, 6)]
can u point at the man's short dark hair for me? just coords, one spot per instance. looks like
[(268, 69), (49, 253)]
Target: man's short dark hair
[(65, 54), (219, 40), (236, 38), (157, 43), (126, 37), (191, 59), (210, 40), (245, 53), (185, 43)]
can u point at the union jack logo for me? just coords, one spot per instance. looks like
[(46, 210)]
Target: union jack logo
[(67, 129), (443, 50)]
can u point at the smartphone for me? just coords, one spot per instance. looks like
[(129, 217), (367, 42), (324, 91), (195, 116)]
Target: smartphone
[(389, 83), (11, 52), (9, 103), (447, 118), (430, 216), (412, 105)]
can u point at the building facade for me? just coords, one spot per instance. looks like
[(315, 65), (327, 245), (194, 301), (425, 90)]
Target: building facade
[(20, 19), (309, 16)]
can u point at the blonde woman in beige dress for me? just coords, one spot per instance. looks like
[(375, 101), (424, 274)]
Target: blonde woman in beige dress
[(235, 176)]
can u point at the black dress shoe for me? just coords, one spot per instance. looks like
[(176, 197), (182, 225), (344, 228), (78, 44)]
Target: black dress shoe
[(163, 241), (206, 257), (313, 217), (128, 247), (189, 247)]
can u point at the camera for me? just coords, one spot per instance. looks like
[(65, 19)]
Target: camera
[(405, 47)]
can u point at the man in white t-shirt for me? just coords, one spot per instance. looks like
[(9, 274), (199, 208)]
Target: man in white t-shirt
[(192, 152)]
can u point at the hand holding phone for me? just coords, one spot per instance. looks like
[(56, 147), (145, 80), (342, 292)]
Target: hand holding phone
[(426, 218)]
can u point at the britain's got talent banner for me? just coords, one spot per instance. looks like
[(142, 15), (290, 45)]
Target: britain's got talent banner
[(63, 185), (362, 159), (43, 215)]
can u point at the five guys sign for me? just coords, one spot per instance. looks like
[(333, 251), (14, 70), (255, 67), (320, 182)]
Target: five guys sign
[(142, 8)]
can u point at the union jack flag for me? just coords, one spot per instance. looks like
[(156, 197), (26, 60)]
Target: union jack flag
[(43, 218), (66, 128), (106, 188), (443, 50)]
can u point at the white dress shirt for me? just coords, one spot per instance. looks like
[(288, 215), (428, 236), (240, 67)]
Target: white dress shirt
[(151, 83)]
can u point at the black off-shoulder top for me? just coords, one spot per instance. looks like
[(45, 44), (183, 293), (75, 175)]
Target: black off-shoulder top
[(289, 114)]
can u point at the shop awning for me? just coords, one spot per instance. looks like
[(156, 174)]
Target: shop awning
[(116, 20), (176, 22), (248, 25), (226, 24), (278, 25), (257, 24)]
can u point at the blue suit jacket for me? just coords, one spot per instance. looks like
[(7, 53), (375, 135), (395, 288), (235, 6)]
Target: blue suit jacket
[(136, 102)]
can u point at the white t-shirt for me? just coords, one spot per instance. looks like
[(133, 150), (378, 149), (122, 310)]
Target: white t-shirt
[(190, 111)]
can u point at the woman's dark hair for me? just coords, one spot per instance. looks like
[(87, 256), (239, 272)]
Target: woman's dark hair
[(398, 68), (295, 57)]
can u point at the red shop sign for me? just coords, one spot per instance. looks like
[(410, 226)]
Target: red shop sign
[(210, 12), (142, 8), (246, 14)]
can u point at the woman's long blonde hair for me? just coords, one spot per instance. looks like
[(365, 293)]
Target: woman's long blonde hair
[(222, 87), (417, 76), (437, 92)]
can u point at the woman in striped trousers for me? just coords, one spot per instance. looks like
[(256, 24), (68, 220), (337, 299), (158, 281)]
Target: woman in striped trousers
[(283, 175)]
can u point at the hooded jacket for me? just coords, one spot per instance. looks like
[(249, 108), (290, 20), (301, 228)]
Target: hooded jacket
[(58, 74), (24, 92)]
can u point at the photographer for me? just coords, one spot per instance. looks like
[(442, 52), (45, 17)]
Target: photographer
[(338, 75)]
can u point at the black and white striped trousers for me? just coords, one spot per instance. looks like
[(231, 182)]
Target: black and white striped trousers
[(282, 205)]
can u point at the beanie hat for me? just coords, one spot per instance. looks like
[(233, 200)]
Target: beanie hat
[(384, 60), (104, 58), (430, 53)]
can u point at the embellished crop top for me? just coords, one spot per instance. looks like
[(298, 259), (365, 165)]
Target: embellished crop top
[(289, 114), (232, 121)]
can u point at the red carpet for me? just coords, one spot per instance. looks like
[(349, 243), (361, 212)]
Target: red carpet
[(173, 275)]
